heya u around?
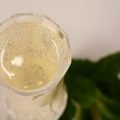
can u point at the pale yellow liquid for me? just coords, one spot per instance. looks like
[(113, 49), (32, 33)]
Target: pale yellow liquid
[(29, 56)]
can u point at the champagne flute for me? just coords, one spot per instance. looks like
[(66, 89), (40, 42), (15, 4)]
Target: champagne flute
[(34, 57)]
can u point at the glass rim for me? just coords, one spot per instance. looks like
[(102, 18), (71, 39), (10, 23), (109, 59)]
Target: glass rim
[(53, 83)]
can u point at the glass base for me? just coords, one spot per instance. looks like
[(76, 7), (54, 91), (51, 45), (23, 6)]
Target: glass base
[(49, 106)]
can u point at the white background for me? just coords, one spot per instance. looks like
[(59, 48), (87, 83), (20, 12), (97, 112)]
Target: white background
[(93, 26)]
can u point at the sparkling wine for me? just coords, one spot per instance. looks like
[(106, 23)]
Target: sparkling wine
[(30, 57)]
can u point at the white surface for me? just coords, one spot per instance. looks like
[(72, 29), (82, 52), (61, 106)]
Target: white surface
[(93, 26)]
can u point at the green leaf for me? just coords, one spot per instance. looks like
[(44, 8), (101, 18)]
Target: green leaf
[(109, 108), (86, 114), (75, 112), (93, 89), (82, 90), (106, 76), (82, 67)]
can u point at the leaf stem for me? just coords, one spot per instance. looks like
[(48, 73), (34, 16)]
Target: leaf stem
[(95, 113)]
